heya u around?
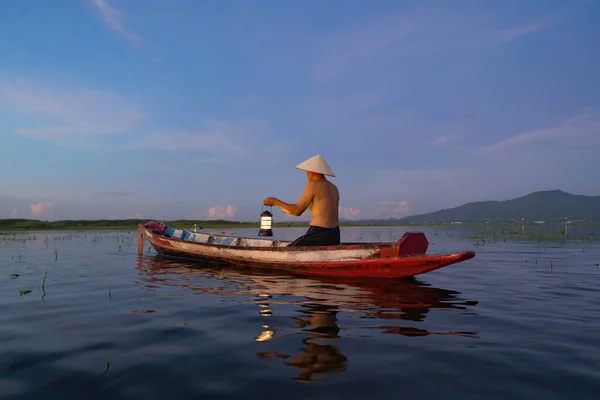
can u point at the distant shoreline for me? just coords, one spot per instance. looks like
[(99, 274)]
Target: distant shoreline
[(20, 225)]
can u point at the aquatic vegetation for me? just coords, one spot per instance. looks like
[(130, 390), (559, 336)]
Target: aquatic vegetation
[(107, 366), (44, 283), (480, 241), (51, 242), (557, 236)]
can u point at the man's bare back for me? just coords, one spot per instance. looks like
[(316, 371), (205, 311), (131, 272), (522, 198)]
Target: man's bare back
[(320, 196), (325, 204)]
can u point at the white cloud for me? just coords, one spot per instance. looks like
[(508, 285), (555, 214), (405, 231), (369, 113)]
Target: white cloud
[(221, 212), (580, 129), (224, 141), (41, 209), (68, 114), (348, 213), (14, 213), (114, 18)]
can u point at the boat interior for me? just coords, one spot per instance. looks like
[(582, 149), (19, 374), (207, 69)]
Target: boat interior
[(225, 240)]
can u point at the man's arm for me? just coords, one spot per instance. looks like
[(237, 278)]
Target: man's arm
[(299, 207)]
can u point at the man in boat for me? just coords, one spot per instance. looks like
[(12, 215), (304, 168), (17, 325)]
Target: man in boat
[(322, 198)]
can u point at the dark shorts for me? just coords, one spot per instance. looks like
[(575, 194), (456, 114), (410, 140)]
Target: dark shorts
[(318, 236)]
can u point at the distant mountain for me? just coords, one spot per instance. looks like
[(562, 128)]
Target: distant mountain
[(548, 206)]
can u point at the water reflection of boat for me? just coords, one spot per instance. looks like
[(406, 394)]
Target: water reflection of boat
[(317, 303)]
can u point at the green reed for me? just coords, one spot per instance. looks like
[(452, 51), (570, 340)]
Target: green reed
[(559, 236)]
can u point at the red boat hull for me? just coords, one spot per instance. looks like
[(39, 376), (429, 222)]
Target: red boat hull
[(401, 259)]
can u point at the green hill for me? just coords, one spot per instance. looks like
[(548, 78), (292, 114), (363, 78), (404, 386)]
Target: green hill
[(548, 206)]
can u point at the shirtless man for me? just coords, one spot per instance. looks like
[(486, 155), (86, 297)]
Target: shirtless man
[(322, 198)]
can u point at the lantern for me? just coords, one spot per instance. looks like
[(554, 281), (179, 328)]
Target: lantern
[(266, 224)]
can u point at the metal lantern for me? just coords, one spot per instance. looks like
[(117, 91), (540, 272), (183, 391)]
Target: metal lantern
[(266, 224)]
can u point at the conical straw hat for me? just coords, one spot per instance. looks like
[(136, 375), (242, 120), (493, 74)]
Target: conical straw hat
[(316, 164)]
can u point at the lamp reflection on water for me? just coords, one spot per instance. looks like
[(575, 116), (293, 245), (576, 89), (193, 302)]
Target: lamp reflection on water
[(321, 354), (266, 334)]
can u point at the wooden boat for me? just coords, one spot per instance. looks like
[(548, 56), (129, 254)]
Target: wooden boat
[(404, 258)]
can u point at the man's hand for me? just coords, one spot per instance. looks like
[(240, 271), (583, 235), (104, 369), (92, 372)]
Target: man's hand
[(269, 201)]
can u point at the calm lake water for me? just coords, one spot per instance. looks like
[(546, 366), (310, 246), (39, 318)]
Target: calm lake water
[(520, 320)]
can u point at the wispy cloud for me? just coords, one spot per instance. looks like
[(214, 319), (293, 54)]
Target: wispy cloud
[(500, 36), (221, 140), (82, 118), (114, 19), (66, 114), (581, 129), (374, 77), (14, 213), (397, 38)]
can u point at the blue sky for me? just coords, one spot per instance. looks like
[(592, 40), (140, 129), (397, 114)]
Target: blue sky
[(189, 109)]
